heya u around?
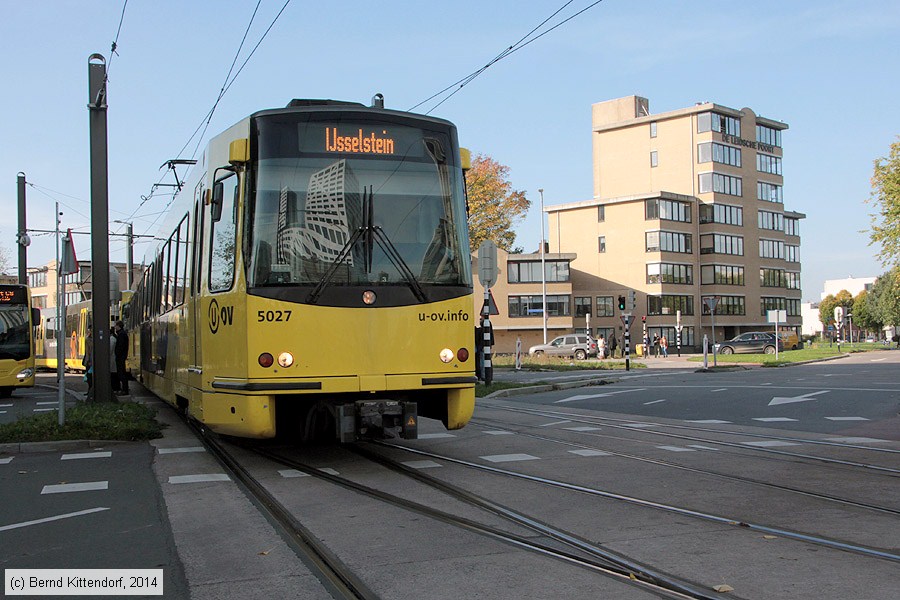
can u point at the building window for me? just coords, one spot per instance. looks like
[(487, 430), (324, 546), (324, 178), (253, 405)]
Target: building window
[(601, 213), (668, 241), (770, 192), (792, 280), (670, 273), (37, 279), (768, 135), (770, 220), (668, 304), (792, 306), (687, 336), (601, 243), (582, 306), (771, 249), (772, 277), (605, 306), (715, 122), (766, 163), (720, 184), (721, 275), (768, 303), (667, 210), (791, 253), (718, 243), (530, 272), (654, 159), (532, 306), (653, 129), (722, 213), (727, 305), (719, 153), (791, 226)]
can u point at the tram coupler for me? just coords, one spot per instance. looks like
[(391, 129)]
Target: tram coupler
[(368, 419)]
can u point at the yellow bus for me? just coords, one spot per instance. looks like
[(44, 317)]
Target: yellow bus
[(17, 321), (315, 278)]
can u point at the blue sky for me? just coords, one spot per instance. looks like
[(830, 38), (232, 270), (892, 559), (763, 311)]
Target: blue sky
[(828, 69)]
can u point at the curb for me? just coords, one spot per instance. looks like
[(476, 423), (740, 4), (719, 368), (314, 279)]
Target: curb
[(536, 389), (56, 446)]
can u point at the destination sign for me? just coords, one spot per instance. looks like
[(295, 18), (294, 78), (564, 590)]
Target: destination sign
[(12, 295), (360, 142)]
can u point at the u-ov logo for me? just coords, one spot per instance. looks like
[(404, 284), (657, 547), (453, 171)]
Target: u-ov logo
[(214, 316)]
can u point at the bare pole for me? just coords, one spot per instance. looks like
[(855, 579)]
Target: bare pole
[(60, 330), (543, 271), (22, 237), (99, 226)]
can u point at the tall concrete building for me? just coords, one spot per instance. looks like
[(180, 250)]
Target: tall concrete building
[(687, 205)]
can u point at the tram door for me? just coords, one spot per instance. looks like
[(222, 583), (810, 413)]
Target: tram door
[(195, 370)]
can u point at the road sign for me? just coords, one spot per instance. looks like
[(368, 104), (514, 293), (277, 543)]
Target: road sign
[(777, 316), (838, 314), (487, 263), (711, 302)]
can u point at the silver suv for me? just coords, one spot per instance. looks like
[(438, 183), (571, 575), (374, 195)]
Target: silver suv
[(573, 344)]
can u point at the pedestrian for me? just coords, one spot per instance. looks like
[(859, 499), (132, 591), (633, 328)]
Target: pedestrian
[(113, 375), (656, 345), (87, 361), (664, 346), (601, 347), (613, 344), (121, 355)]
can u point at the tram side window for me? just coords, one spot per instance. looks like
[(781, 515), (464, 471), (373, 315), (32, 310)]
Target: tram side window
[(223, 228)]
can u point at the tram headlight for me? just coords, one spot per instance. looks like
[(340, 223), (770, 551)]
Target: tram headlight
[(368, 297), (24, 374), (446, 355), (285, 359), (266, 360)]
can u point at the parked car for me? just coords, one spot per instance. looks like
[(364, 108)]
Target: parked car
[(750, 342), (789, 340), (574, 344)]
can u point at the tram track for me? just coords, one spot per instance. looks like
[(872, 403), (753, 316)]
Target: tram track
[(615, 423), (656, 461), (834, 544)]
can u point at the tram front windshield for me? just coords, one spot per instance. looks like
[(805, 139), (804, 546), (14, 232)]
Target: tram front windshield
[(360, 202), (14, 340)]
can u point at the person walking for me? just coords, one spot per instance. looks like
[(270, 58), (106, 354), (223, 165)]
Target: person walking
[(121, 355), (601, 347), (656, 345), (113, 375), (87, 362), (664, 346), (645, 345), (613, 344)]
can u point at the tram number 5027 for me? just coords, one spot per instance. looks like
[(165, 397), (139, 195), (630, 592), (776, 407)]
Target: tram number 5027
[(273, 316)]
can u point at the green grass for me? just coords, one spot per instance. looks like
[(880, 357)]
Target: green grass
[(100, 421), (813, 352), (553, 363)]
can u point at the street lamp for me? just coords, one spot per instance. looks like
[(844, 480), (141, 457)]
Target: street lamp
[(129, 251), (543, 270)]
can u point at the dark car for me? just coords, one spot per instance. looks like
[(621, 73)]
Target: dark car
[(751, 342)]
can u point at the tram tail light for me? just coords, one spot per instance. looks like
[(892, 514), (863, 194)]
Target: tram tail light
[(266, 360), (462, 354)]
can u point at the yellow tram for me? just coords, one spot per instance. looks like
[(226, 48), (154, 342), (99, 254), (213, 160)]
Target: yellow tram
[(315, 279), (17, 320)]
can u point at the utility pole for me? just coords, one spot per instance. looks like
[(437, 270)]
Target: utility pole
[(129, 253), (99, 226), (22, 238)]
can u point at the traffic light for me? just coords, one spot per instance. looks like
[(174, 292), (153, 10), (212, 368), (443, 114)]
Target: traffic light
[(632, 300), (622, 303)]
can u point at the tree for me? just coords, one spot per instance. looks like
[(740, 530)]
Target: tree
[(886, 197), (865, 314), (827, 306), (494, 206), (887, 297)]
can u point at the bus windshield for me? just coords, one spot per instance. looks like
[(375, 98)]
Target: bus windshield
[(15, 342), (356, 203)]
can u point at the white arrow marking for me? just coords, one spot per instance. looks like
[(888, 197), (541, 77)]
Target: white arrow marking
[(787, 400), (589, 396)]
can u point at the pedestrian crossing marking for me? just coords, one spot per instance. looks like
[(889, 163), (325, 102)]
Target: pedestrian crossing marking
[(65, 488)]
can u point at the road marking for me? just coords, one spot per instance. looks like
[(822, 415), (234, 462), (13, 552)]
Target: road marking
[(604, 395), (2, 412), (54, 403), (639, 425), (588, 452), (44, 409), (499, 432), (877, 359), (6, 461), (857, 440), (585, 428), (65, 488), (181, 450), (769, 443), (500, 458), (51, 519), (554, 423), (774, 419), (200, 478), (710, 422), (701, 447), (789, 399), (329, 470), (5, 405), (676, 449), (846, 418), (435, 436), (765, 384), (291, 473), (654, 402), (422, 464), (721, 390), (85, 455)]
